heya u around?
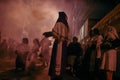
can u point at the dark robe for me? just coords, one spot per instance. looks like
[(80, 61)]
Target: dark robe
[(53, 59)]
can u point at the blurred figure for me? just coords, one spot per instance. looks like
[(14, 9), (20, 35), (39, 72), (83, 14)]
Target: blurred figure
[(99, 40), (88, 62), (22, 52), (11, 49), (0, 37), (59, 52), (3, 49), (74, 52), (45, 44), (110, 55), (33, 56)]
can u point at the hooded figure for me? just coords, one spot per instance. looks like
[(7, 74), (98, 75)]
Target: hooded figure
[(58, 57)]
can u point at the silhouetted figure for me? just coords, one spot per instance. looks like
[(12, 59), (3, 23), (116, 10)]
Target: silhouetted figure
[(45, 44), (3, 48), (34, 54), (59, 52), (99, 40), (11, 49), (22, 52), (74, 52), (86, 63), (0, 37)]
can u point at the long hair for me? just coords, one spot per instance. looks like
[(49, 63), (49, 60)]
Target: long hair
[(62, 18)]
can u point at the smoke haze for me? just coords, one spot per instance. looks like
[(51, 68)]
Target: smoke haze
[(30, 18)]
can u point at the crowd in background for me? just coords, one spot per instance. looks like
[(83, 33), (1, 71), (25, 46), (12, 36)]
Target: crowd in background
[(95, 60)]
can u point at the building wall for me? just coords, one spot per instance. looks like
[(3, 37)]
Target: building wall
[(112, 18)]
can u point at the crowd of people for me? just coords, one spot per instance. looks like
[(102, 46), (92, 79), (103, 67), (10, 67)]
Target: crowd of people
[(97, 60), (26, 55)]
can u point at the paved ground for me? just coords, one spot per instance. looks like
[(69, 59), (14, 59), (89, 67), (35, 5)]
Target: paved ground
[(7, 72)]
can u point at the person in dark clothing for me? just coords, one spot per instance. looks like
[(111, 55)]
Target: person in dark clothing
[(90, 47), (58, 61), (98, 56), (74, 52), (22, 52)]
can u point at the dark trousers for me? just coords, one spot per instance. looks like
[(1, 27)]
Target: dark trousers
[(20, 63), (56, 78)]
